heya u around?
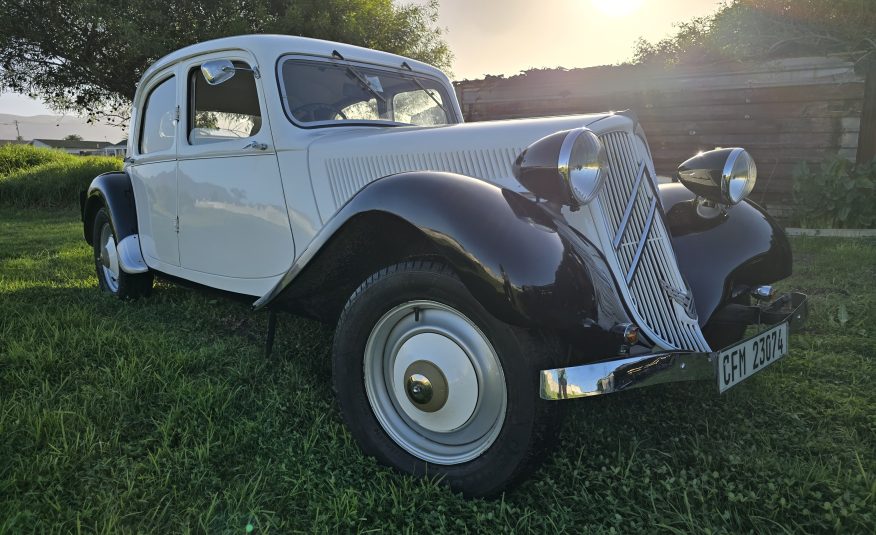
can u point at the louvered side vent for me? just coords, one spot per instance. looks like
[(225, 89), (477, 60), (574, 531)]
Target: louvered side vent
[(641, 245), (349, 175)]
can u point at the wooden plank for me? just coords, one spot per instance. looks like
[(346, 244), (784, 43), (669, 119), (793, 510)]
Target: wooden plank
[(815, 110), (763, 141), (746, 126), (867, 141), (742, 112), (681, 96)]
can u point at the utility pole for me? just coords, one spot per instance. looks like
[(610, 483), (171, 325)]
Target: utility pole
[(17, 131)]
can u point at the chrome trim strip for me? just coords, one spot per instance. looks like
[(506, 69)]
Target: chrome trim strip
[(130, 257), (625, 374), (631, 202), (642, 240), (728, 170), (565, 157)]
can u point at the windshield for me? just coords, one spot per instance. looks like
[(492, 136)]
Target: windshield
[(323, 92)]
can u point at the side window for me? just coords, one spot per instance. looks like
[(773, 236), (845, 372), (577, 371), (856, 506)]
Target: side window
[(229, 110), (159, 118), (418, 107)]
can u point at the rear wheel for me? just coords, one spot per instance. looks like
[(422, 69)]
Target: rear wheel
[(430, 383), (110, 276)]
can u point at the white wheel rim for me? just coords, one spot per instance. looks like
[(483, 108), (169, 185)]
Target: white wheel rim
[(432, 347), (109, 258)]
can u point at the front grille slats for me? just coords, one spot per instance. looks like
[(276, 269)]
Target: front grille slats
[(638, 240), (628, 210)]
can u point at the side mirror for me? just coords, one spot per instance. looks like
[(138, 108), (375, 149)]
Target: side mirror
[(218, 71)]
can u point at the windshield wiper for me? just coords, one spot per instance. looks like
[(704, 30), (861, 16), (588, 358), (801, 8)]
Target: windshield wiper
[(362, 80), (423, 88)]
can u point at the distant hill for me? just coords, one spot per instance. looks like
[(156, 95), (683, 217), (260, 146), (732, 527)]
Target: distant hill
[(57, 127)]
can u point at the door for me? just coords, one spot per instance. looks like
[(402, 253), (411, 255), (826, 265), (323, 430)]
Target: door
[(233, 220), (153, 170)]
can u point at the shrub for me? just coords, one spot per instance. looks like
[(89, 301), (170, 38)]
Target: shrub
[(32, 177), (838, 194), (16, 157)]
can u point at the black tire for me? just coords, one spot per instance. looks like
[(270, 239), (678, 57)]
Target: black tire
[(123, 285), (529, 426)]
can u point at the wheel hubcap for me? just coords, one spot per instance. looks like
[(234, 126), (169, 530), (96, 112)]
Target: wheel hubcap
[(434, 382), (109, 258)]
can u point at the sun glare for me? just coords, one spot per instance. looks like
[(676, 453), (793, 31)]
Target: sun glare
[(617, 8)]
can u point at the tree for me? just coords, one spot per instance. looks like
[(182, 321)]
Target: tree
[(73, 137), (86, 56), (763, 29)]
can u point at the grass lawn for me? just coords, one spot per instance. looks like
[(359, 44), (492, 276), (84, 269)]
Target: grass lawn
[(163, 415)]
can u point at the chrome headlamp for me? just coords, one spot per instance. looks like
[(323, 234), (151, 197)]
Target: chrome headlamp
[(724, 176), (739, 175), (567, 167)]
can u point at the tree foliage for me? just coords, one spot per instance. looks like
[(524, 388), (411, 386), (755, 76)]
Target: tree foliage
[(86, 56), (763, 29)]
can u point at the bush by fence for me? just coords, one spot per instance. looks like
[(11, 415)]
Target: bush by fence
[(35, 177), (835, 194)]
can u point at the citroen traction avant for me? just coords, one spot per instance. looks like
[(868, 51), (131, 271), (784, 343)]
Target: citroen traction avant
[(477, 273)]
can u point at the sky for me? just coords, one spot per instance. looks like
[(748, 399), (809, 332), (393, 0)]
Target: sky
[(508, 36)]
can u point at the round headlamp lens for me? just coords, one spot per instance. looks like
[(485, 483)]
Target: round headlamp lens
[(741, 178), (587, 165)]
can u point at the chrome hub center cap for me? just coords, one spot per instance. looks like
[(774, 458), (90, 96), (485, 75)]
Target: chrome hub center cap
[(419, 389), (426, 386)]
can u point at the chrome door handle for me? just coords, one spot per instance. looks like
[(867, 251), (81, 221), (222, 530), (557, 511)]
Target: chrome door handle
[(256, 145)]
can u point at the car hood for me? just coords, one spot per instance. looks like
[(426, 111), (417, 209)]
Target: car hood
[(343, 160)]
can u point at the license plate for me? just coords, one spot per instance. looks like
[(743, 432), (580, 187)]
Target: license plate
[(739, 362)]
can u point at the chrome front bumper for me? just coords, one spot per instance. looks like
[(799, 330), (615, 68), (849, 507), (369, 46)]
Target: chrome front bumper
[(629, 372)]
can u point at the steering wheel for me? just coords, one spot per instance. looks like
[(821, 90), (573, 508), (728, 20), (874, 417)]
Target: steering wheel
[(310, 112)]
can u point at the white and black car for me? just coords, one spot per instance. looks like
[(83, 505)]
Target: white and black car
[(475, 272)]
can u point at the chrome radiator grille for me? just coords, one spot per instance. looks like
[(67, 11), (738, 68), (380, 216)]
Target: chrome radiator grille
[(645, 262)]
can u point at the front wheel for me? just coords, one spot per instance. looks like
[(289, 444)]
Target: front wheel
[(430, 383), (110, 276)]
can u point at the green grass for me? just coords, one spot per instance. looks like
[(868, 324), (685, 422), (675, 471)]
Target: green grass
[(163, 415), (35, 177)]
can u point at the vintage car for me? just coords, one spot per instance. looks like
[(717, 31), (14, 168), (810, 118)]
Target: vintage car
[(476, 272)]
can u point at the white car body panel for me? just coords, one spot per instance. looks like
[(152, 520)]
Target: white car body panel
[(343, 163)]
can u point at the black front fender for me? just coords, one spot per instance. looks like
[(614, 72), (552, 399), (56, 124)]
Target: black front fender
[(512, 255), (743, 247), (114, 191)]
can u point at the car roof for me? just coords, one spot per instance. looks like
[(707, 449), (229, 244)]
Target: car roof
[(273, 46)]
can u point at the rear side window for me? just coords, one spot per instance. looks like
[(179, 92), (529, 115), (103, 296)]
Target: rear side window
[(229, 110), (159, 118)]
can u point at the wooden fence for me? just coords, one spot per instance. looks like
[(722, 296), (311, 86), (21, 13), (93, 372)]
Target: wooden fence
[(783, 111)]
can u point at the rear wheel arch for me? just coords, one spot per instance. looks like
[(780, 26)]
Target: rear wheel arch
[(114, 192)]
